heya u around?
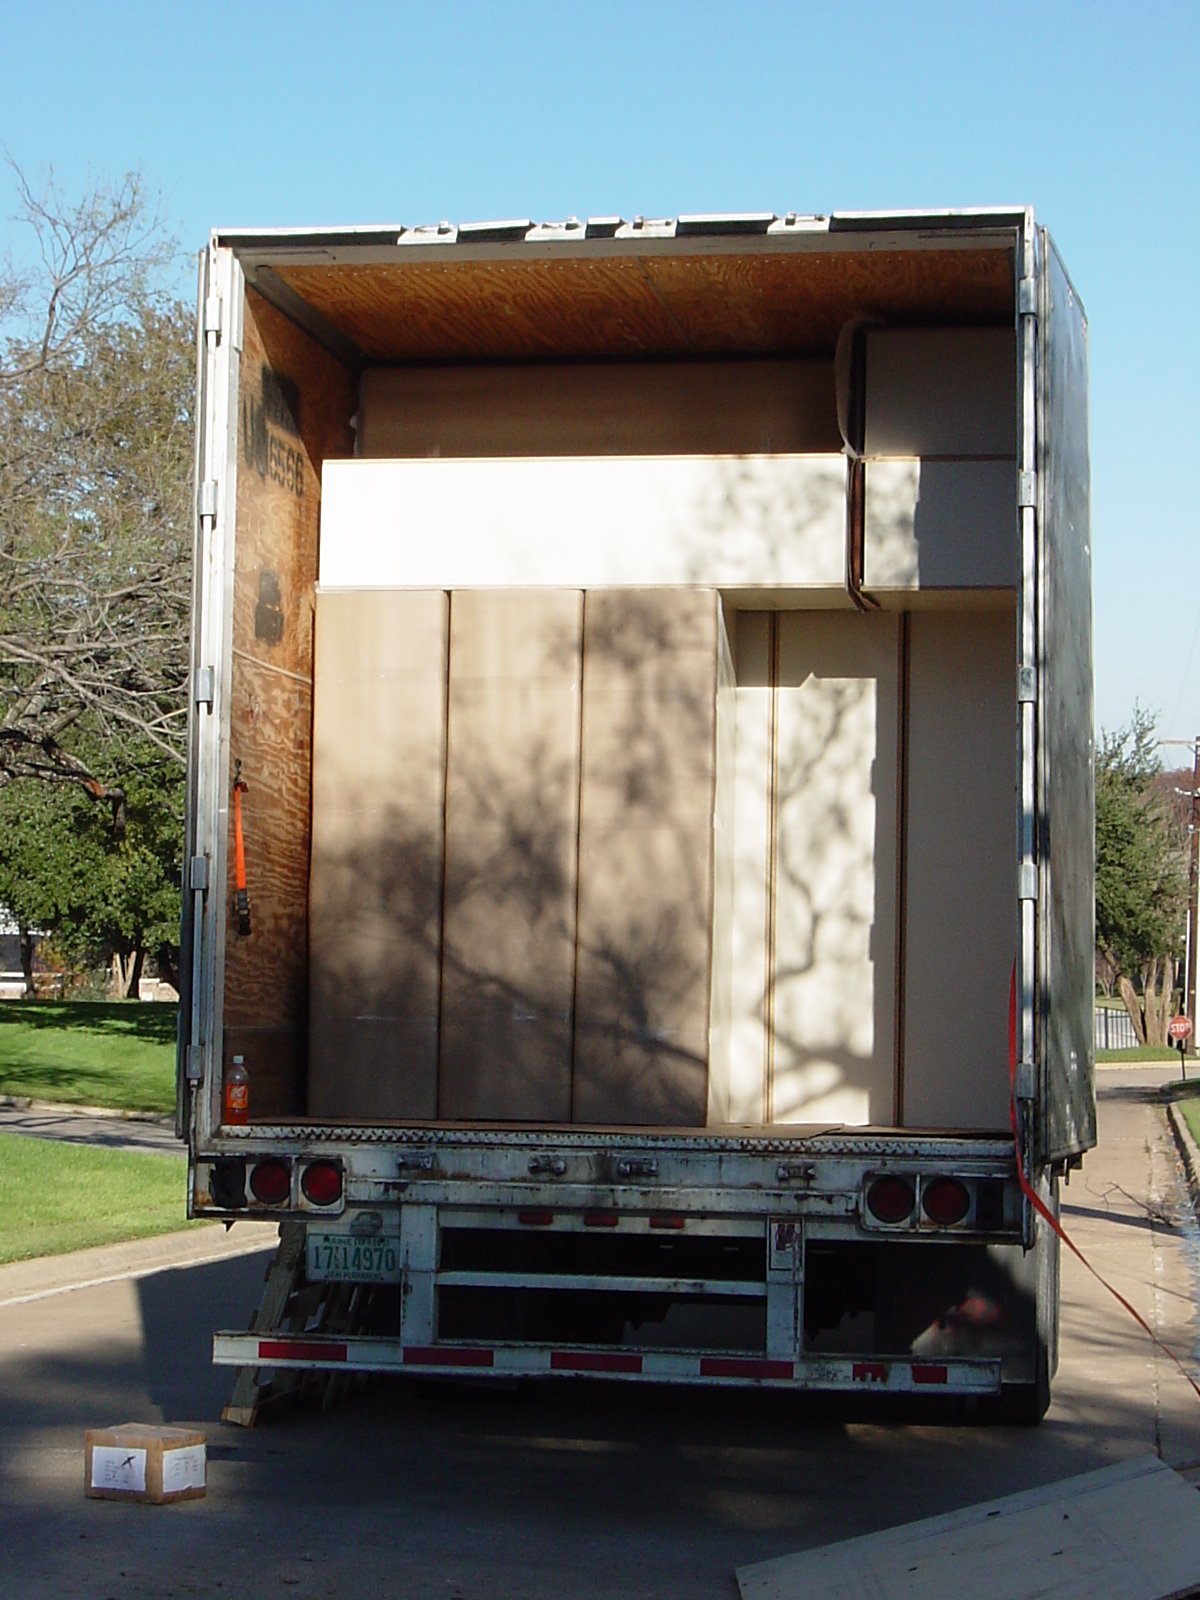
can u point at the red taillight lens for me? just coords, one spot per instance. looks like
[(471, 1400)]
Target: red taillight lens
[(891, 1199), (271, 1182), (599, 1219), (322, 1183), (946, 1201)]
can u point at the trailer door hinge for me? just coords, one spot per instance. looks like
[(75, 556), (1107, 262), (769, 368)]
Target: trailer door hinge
[(1026, 686), (213, 316), (204, 686), (1027, 886), (1027, 297), (1026, 1085), (198, 874), (206, 498), (1027, 489), (194, 1064)]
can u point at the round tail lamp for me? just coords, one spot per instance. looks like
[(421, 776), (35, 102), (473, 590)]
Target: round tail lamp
[(946, 1201), (321, 1182), (891, 1199), (271, 1182)]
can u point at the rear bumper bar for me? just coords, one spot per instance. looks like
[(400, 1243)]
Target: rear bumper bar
[(846, 1374)]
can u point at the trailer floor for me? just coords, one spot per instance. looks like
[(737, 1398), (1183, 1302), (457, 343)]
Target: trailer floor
[(582, 1491)]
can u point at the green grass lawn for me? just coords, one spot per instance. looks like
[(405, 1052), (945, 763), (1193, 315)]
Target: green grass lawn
[(1187, 1097), (119, 1054), (1142, 1052), (58, 1197)]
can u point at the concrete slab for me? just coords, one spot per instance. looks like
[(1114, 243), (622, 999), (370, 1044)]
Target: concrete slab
[(1129, 1532)]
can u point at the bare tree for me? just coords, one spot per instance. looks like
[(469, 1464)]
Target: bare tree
[(96, 377)]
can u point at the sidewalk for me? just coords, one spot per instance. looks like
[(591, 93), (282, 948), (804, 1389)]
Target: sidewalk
[(90, 1125), (22, 1281)]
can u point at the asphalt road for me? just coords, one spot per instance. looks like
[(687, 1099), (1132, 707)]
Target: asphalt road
[(459, 1493)]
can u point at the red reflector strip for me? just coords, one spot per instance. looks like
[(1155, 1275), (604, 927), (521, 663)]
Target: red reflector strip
[(666, 1222), (445, 1356), (299, 1350), (732, 1367), (535, 1219), (599, 1219), (593, 1361), (930, 1375), (870, 1372)]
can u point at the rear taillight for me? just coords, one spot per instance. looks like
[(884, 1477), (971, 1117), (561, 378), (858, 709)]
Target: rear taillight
[(535, 1219), (599, 1219), (891, 1199), (271, 1182), (321, 1182), (945, 1201)]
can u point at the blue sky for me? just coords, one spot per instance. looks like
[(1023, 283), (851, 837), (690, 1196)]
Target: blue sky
[(248, 114)]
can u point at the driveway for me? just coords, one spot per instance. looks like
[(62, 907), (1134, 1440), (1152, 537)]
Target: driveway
[(455, 1492)]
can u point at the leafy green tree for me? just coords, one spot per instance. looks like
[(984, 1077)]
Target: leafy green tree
[(1141, 876), (104, 896)]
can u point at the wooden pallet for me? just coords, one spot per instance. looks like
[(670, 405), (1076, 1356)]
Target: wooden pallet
[(290, 1304)]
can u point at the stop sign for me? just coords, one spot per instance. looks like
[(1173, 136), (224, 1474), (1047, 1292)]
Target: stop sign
[(1180, 1028)]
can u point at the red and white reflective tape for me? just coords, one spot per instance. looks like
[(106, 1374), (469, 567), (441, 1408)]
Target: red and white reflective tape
[(376, 1354)]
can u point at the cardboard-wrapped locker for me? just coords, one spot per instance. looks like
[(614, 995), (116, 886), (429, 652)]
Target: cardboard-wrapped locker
[(653, 835), (376, 878), (512, 784)]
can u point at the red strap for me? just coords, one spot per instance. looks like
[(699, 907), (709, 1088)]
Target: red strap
[(239, 841), (1043, 1210)]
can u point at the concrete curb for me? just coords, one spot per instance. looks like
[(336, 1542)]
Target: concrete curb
[(23, 1102), (22, 1281), (1189, 1150)]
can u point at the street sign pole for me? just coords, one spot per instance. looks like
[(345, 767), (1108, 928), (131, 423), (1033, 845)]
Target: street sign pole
[(1179, 1031)]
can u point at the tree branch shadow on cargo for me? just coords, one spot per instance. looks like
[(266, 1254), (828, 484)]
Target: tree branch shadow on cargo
[(755, 531), (829, 1008), (503, 946)]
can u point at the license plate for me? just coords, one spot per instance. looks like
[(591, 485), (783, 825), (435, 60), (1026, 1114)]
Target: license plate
[(341, 1258)]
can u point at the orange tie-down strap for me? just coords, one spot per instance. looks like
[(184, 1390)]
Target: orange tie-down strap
[(1043, 1210), (239, 854)]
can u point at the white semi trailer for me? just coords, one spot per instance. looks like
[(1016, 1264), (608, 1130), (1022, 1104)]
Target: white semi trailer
[(649, 664)]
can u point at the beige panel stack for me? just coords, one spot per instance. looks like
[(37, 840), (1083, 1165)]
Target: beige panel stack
[(375, 895), (512, 774), (835, 869), (960, 929), (754, 814), (646, 868)]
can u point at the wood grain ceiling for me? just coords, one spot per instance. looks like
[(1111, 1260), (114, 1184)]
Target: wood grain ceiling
[(647, 306)]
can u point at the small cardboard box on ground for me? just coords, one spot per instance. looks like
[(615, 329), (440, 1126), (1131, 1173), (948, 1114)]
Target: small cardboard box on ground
[(149, 1462)]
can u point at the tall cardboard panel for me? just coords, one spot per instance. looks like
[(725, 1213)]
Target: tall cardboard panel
[(960, 928), (835, 869), (648, 781), (376, 882), (755, 702), (512, 776)]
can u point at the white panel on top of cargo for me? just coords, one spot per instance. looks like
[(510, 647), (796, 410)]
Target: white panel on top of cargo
[(750, 523)]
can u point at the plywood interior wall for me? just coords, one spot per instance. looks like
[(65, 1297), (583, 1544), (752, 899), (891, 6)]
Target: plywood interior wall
[(377, 853), (960, 933), (294, 408), (619, 408), (647, 800), (512, 823)]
